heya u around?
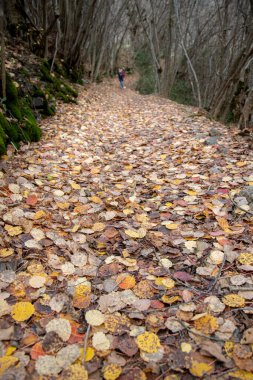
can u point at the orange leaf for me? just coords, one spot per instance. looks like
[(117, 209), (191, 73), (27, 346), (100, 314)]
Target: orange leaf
[(31, 200), (75, 337), (127, 283), (37, 351)]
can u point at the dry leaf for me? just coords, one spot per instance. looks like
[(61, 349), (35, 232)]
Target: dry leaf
[(94, 317), (148, 342), (22, 311)]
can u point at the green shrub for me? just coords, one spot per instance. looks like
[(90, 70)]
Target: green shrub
[(181, 92), (143, 62)]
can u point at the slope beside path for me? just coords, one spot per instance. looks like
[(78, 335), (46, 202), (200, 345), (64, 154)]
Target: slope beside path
[(125, 236)]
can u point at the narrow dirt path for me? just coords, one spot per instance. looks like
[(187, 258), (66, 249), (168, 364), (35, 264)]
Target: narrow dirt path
[(127, 207)]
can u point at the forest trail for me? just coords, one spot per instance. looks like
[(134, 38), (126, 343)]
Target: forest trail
[(126, 206)]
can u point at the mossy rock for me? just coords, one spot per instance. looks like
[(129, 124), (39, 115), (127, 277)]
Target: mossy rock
[(55, 85), (49, 108), (10, 130)]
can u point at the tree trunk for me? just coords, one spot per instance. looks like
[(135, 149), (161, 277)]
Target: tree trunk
[(3, 72)]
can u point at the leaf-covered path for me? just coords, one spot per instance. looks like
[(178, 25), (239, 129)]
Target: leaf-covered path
[(121, 238)]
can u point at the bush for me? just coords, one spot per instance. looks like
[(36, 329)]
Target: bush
[(143, 62), (181, 92)]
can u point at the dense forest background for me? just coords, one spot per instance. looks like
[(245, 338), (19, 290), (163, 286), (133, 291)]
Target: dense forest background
[(197, 52)]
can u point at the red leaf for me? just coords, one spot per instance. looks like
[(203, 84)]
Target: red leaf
[(31, 200), (183, 276)]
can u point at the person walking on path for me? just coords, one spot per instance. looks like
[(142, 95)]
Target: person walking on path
[(121, 76)]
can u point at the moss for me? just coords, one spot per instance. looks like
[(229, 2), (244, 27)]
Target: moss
[(70, 90), (14, 110), (10, 130), (60, 70), (48, 102), (56, 86), (2, 141), (30, 128), (45, 72), (11, 89), (12, 102)]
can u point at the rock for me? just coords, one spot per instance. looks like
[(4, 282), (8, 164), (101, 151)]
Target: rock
[(37, 103), (222, 149), (211, 140), (247, 193), (214, 132)]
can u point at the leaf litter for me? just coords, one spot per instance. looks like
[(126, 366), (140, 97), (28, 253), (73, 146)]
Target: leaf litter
[(124, 254)]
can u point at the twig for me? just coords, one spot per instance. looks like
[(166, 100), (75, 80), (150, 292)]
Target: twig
[(218, 275), (244, 288), (240, 208), (240, 308), (203, 335), (85, 344)]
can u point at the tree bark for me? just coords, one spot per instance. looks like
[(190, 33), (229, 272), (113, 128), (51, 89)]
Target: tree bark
[(3, 71)]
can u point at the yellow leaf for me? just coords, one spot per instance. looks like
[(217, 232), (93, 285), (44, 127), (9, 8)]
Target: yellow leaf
[(75, 186), (168, 204), (142, 218), (10, 350), (245, 258), (75, 228), (168, 283), (170, 299), (223, 223), (206, 324), (171, 226), (98, 227), (22, 311), (229, 348), (186, 347), (89, 354), (127, 211), (112, 372), (63, 205), (192, 192), (77, 372), (96, 199), (163, 156), (240, 164), (148, 342), (5, 252), (13, 231), (6, 362), (241, 375), (39, 214), (82, 290), (176, 181), (200, 369), (233, 300), (95, 170), (136, 234)]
